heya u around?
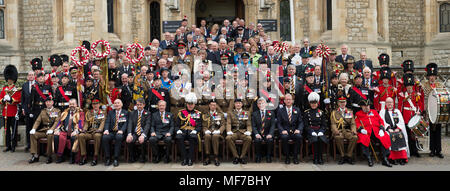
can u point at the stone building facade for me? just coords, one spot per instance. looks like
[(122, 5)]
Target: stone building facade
[(405, 29)]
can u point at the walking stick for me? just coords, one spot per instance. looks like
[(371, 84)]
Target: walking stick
[(370, 143)]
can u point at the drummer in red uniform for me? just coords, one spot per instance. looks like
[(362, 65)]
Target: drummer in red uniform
[(410, 103), (370, 130), (435, 129), (9, 99), (384, 90)]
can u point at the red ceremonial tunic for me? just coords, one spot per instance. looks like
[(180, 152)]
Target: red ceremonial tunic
[(382, 95), (371, 122), (416, 98), (113, 95), (10, 109)]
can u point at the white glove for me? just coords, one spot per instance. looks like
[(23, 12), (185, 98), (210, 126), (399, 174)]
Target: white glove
[(381, 133), (135, 107), (314, 134), (193, 132), (49, 132), (327, 101), (33, 131), (229, 133), (17, 116), (363, 131), (320, 134), (216, 132), (7, 98), (207, 132), (247, 133), (31, 115), (179, 132)]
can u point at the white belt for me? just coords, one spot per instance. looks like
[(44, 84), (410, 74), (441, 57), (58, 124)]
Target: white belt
[(408, 109), (355, 105), (64, 104), (154, 106)]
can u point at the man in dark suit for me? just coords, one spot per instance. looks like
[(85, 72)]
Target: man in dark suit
[(138, 127), (126, 67), (344, 56), (263, 125), (115, 128), (213, 54), (290, 125), (165, 43), (306, 48), (161, 129), (26, 105), (361, 64), (125, 92)]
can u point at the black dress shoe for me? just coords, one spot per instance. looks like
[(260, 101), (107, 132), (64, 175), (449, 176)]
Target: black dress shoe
[(287, 160), (142, 159), (49, 160), (108, 162), (269, 159), (59, 160), (296, 161), (13, 149), (393, 162), (417, 155), (236, 161), (258, 160), (94, 163), (216, 162), (82, 161), (386, 162), (33, 159), (7, 149), (341, 161), (440, 155), (350, 161), (116, 163), (243, 161), (190, 163), (370, 161), (316, 161), (131, 160), (207, 161), (166, 160), (402, 162), (320, 161), (432, 154), (157, 159), (184, 162)]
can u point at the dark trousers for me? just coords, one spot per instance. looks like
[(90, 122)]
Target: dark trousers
[(435, 138), (106, 141), (56, 142), (366, 150), (28, 126), (317, 148), (132, 145), (192, 139), (10, 142), (412, 142), (297, 138), (155, 148), (258, 146)]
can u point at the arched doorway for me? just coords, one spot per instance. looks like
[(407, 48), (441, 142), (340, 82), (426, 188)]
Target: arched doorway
[(155, 21), (215, 11)]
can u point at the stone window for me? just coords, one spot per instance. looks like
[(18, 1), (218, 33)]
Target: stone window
[(285, 20), (444, 17), (110, 7), (329, 15), (2, 19)]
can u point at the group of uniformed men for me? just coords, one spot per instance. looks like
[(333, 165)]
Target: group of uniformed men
[(154, 102)]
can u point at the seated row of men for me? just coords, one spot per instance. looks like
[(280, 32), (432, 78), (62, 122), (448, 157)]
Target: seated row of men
[(72, 129)]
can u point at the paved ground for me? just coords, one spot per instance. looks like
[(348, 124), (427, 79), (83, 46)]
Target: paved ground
[(18, 161)]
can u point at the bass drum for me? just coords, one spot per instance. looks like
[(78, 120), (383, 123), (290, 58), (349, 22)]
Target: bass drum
[(439, 106)]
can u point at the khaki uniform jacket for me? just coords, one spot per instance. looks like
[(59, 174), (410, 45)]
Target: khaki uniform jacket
[(92, 124), (218, 123), (234, 123), (340, 122), (46, 120)]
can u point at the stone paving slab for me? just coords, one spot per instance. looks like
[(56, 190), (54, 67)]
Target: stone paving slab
[(18, 161)]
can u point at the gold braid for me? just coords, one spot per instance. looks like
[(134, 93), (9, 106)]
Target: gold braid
[(340, 122)]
